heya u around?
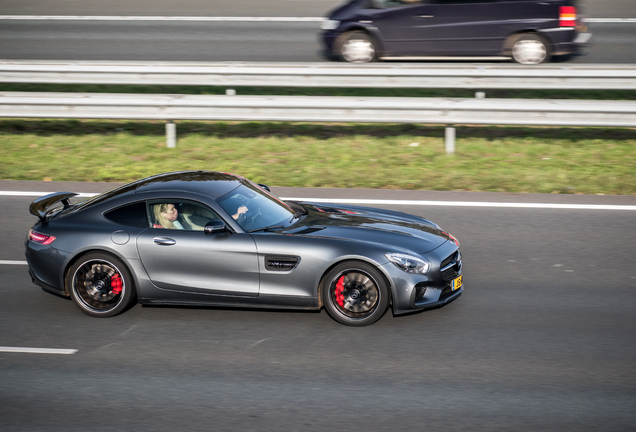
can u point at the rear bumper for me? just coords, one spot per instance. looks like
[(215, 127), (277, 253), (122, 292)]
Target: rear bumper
[(582, 38), (45, 286)]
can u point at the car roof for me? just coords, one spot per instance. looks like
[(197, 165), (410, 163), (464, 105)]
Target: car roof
[(210, 183)]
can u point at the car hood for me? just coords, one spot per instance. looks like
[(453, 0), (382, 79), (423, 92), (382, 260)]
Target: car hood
[(366, 224)]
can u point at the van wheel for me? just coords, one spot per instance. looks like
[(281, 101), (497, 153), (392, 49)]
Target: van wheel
[(530, 49), (357, 47)]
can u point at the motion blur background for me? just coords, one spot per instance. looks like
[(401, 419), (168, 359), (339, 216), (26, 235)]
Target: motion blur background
[(542, 339)]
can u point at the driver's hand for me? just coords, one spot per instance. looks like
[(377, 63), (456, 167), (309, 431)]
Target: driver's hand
[(241, 210)]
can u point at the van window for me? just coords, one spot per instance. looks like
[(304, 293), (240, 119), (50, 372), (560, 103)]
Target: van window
[(464, 1), (381, 4)]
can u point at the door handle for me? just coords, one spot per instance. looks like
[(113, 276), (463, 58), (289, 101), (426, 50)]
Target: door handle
[(164, 241)]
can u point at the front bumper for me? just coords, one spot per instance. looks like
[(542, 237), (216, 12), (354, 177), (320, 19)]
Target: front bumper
[(415, 292)]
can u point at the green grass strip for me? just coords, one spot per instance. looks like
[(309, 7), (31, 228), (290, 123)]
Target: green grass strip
[(392, 156)]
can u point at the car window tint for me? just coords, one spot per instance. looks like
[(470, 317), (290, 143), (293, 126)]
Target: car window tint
[(133, 215), (379, 4), (464, 1), (178, 214)]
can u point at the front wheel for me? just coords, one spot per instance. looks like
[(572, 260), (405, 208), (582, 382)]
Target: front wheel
[(100, 285), (357, 47), (355, 294), (530, 49)]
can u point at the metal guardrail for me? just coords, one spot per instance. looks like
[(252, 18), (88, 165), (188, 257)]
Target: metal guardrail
[(319, 109), (380, 75)]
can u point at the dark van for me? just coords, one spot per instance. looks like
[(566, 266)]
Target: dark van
[(526, 31)]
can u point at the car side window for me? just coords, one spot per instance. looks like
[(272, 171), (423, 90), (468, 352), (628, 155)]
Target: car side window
[(381, 4), (133, 215), (464, 1), (179, 214)]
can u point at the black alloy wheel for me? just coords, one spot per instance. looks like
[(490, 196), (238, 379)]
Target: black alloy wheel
[(355, 294), (100, 285)]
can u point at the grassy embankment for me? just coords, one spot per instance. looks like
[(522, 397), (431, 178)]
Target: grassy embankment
[(511, 159)]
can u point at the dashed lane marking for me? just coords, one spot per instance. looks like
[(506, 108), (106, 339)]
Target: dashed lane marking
[(37, 350)]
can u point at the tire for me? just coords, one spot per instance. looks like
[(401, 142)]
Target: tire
[(355, 293), (100, 285), (530, 49), (357, 47)]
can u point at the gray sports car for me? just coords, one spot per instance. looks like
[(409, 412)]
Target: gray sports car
[(211, 238)]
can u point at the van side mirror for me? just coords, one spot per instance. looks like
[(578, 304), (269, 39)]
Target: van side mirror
[(214, 226)]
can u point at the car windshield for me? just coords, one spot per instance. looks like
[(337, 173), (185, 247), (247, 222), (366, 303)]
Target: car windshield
[(254, 209)]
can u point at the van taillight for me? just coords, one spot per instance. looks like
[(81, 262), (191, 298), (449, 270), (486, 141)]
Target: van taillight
[(40, 238), (567, 16)]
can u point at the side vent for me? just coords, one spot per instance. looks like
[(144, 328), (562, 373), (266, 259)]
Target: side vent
[(280, 263)]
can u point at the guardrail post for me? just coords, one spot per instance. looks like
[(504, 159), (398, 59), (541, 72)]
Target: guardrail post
[(480, 95), (171, 134), (450, 140), (230, 92)]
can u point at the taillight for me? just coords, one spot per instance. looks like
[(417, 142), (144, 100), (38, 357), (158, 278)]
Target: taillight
[(40, 238), (567, 16)]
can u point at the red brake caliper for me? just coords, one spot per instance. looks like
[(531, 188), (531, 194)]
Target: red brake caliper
[(339, 290), (116, 284)]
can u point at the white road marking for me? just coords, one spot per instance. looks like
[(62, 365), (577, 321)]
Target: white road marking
[(409, 202), (159, 18), (216, 18), (38, 194), (611, 20), (9, 262), (466, 204), (37, 350)]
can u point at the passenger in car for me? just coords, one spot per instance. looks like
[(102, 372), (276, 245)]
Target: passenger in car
[(167, 216)]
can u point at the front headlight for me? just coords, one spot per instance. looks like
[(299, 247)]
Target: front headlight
[(329, 24), (408, 263)]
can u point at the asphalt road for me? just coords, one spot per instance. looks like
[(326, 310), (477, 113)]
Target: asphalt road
[(282, 8), (225, 41), (542, 339)]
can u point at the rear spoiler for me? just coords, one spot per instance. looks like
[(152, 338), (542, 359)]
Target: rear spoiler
[(41, 206)]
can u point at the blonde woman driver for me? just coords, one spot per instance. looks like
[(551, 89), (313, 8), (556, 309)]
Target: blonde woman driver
[(167, 216)]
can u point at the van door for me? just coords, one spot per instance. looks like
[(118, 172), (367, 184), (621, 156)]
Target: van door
[(405, 26), (480, 27)]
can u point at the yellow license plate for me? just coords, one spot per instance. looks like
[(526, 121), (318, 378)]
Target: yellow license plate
[(456, 283)]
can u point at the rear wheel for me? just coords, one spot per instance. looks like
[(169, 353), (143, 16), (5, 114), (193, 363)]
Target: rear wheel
[(357, 47), (100, 285), (530, 49), (355, 294)]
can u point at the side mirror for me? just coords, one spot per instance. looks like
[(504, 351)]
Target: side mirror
[(262, 186), (214, 226)]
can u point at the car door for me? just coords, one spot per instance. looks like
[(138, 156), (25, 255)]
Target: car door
[(406, 27), (472, 27), (188, 260)]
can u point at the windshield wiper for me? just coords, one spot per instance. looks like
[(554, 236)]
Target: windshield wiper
[(295, 216), (267, 228)]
